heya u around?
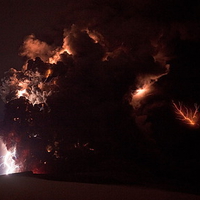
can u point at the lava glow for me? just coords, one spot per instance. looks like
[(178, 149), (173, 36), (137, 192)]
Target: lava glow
[(65, 49), (185, 114)]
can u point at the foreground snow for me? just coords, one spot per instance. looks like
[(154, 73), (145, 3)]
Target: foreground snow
[(30, 188)]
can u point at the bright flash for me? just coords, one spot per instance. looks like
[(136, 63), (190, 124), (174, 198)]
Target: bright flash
[(21, 93), (8, 160), (185, 114), (139, 94), (147, 88), (65, 49)]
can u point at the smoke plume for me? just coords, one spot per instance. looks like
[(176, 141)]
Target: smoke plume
[(103, 88)]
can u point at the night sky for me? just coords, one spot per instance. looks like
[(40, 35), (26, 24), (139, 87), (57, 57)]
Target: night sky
[(89, 122)]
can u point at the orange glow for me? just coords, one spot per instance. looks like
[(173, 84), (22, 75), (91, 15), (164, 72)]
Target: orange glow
[(147, 88), (35, 88), (185, 114), (33, 48), (94, 36), (65, 49), (140, 94), (48, 73)]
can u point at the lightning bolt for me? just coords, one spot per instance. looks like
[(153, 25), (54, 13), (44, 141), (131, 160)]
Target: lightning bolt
[(185, 114), (8, 161)]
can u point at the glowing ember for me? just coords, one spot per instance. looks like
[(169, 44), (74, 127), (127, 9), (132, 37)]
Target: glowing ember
[(147, 87), (185, 114)]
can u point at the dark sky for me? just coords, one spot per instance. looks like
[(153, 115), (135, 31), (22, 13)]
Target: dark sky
[(141, 38), (44, 18), (21, 18)]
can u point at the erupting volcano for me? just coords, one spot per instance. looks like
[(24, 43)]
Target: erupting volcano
[(100, 90)]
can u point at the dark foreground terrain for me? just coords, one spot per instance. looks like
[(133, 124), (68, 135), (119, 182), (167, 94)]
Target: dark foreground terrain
[(37, 187)]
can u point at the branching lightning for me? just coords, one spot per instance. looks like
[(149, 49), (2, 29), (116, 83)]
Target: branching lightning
[(8, 161), (185, 114)]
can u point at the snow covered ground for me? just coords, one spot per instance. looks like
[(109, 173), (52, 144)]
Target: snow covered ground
[(19, 187)]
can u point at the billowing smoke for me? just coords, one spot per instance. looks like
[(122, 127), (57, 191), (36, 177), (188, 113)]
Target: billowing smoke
[(106, 91)]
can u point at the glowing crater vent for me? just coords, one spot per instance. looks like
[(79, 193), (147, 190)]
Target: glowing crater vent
[(9, 162)]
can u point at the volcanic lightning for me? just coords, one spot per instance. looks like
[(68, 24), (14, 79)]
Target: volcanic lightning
[(185, 114), (8, 160), (139, 94), (147, 87), (28, 83)]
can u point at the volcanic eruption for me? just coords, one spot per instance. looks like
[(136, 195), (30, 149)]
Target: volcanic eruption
[(99, 92)]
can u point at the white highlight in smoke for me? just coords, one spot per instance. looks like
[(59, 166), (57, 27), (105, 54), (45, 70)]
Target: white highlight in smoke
[(141, 93), (65, 49), (145, 88)]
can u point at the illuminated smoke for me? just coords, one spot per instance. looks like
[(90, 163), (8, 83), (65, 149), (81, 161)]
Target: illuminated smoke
[(145, 88), (28, 83), (33, 48), (33, 82)]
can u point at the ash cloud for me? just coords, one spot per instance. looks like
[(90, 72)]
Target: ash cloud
[(114, 47), (33, 48)]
